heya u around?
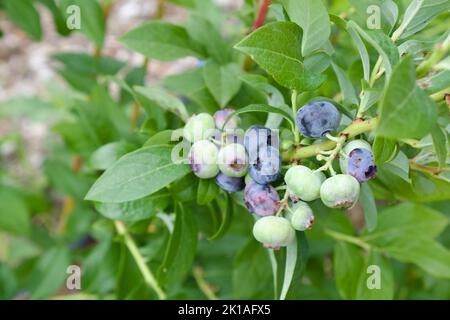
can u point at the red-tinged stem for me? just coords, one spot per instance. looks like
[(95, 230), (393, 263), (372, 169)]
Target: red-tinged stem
[(262, 14)]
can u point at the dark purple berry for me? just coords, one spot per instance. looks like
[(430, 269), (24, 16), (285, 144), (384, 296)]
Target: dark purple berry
[(262, 200), (361, 164), (318, 118), (258, 137), (222, 115), (230, 184), (267, 166)]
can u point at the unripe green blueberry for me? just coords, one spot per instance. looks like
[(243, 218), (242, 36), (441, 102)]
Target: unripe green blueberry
[(361, 144), (304, 183), (232, 160), (203, 159), (340, 191), (199, 127), (301, 216), (274, 232)]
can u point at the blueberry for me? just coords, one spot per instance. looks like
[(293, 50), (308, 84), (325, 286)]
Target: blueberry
[(318, 118), (262, 200), (232, 160), (203, 159), (259, 137), (348, 148), (273, 232), (301, 216), (304, 183), (361, 164), (340, 191), (199, 127), (267, 166), (230, 184), (222, 115)]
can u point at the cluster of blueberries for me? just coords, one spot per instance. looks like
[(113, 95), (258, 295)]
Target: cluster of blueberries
[(251, 161)]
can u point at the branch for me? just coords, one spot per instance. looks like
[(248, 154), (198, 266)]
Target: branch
[(358, 127), (262, 14), (146, 272)]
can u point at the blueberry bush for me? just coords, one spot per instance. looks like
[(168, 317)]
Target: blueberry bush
[(305, 156)]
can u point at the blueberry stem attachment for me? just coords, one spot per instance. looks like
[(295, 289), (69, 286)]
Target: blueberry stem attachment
[(358, 127), (332, 154), (139, 259), (294, 113), (283, 203)]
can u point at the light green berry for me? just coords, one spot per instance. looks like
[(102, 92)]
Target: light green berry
[(199, 127), (304, 183), (232, 160), (301, 216), (340, 191), (274, 232), (203, 159)]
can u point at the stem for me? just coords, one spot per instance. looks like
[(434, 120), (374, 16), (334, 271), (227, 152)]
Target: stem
[(329, 159), (440, 96), (262, 14), (197, 272), (294, 113), (161, 9), (347, 238), (146, 272), (437, 55), (283, 203), (356, 128), (428, 169), (375, 72)]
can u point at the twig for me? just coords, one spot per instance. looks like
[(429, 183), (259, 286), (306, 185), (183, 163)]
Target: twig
[(146, 272), (197, 272)]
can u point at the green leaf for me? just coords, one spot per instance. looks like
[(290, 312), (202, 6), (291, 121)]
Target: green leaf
[(25, 15), (370, 209), (88, 66), (317, 62), (207, 191), (440, 145), (405, 110), (92, 21), (382, 44), (436, 82), (312, 17), (369, 99), (384, 150), (205, 33), (382, 269), (388, 10), (58, 17), (181, 249), (108, 154), (155, 97), (162, 137), (420, 13), (137, 175), (14, 215), (161, 41), (222, 81), (136, 210), (347, 264), (50, 273), (291, 261), (251, 272), (8, 282), (426, 253), (347, 89), (276, 48), (413, 220), (227, 218), (263, 108), (362, 52)]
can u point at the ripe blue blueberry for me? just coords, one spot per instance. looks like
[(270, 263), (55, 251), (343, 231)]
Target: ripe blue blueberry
[(304, 183), (232, 160), (340, 191), (203, 159), (273, 232), (262, 200), (222, 115), (230, 184), (257, 137), (301, 216), (318, 118), (267, 166), (348, 148), (199, 127), (361, 164)]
